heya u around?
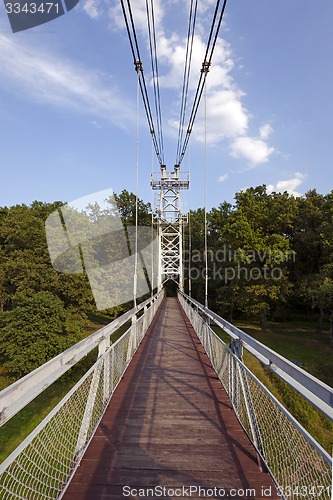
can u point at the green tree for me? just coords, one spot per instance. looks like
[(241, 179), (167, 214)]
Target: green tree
[(126, 205), (35, 330), (257, 235), (194, 246), (313, 242), (308, 236), (25, 265), (317, 290), (2, 284)]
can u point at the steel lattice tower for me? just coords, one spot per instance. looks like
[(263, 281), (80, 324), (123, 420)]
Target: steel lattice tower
[(170, 221)]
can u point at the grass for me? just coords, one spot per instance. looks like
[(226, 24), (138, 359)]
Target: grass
[(21, 425), (296, 341)]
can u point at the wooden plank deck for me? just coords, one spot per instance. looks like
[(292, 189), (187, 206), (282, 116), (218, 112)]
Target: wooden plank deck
[(170, 424)]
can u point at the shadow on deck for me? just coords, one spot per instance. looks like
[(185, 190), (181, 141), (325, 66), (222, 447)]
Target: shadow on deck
[(170, 425)]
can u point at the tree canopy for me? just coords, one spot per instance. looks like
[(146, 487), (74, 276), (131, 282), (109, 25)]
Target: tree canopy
[(270, 255), (42, 310)]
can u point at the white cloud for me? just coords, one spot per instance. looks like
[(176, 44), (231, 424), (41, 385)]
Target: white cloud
[(265, 131), (172, 53), (288, 185), (227, 117), (92, 8), (223, 178), (226, 114), (28, 70), (139, 14), (255, 151)]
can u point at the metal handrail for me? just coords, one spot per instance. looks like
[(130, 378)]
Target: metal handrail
[(16, 396), (314, 390), (295, 460), (44, 462)]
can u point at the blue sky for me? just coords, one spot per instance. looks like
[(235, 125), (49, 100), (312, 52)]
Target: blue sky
[(68, 101)]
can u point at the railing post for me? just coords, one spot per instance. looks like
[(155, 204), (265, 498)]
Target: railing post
[(106, 388), (145, 321), (132, 339), (209, 343), (236, 347), (112, 369), (103, 346), (234, 387), (251, 413), (82, 437), (230, 374)]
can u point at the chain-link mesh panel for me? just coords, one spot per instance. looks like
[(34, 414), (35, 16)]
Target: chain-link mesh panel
[(42, 467), (296, 465), (43, 464)]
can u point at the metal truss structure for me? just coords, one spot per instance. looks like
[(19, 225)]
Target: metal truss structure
[(170, 222)]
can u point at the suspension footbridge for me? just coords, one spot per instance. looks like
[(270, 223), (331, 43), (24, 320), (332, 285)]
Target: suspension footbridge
[(170, 423), (170, 404)]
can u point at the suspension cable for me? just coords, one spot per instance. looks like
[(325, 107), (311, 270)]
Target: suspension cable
[(135, 282), (152, 256), (131, 33), (212, 39), (189, 233), (205, 199), (187, 70), (154, 66)]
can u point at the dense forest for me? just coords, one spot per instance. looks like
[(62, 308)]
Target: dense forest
[(43, 311), (270, 256)]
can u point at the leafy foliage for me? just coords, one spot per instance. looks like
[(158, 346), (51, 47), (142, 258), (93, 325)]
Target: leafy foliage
[(269, 253), (36, 330), (43, 311)]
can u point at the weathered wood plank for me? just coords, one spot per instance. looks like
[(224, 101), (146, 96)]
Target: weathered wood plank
[(170, 423)]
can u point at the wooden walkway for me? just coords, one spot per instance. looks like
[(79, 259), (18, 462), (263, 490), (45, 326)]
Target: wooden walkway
[(170, 425)]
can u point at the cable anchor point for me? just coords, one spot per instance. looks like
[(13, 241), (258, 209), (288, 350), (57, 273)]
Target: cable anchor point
[(138, 66), (205, 67)]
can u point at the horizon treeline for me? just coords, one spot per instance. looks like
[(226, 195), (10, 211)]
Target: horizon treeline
[(269, 256), (43, 311)]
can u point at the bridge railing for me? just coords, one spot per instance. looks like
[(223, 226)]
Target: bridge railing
[(300, 467), (45, 461)]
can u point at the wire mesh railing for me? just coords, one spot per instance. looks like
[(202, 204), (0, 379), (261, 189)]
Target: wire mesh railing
[(43, 464), (299, 466)]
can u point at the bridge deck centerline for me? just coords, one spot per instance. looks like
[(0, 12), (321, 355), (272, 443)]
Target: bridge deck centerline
[(169, 424)]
